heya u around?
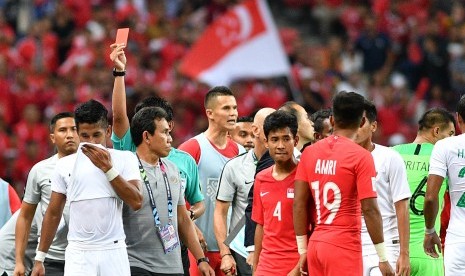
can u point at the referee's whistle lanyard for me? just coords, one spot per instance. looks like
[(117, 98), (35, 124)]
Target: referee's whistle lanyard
[(156, 217)]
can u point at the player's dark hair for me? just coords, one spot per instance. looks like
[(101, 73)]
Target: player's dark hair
[(57, 117), (318, 118), (216, 92), (155, 101), (436, 117), (290, 107), (91, 112), (144, 120), (370, 111), (280, 119), (348, 110), (245, 119)]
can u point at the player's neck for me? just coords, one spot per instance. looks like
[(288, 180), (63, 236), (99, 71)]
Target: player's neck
[(423, 138), (217, 137), (282, 170), (368, 145), (302, 143), (259, 149), (348, 133), (147, 156)]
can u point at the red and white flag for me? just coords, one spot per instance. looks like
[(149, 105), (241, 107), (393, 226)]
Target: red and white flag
[(242, 43)]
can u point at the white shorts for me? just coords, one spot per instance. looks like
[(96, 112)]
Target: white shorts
[(80, 262), (454, 259), (371, 262)]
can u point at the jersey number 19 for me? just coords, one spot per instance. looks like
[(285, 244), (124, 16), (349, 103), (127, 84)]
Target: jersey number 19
[(332, 207)]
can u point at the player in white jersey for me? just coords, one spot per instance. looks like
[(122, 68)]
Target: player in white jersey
[(393, 197), (95, 181), (38, 190), (448, 160)]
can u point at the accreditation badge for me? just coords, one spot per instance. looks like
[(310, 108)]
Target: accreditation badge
[(168, 237)]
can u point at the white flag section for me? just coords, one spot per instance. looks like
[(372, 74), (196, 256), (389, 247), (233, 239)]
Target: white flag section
[(242, 43)]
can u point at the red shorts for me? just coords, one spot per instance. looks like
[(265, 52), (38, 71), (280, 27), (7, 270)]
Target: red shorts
[(215, 263), (329, 260)]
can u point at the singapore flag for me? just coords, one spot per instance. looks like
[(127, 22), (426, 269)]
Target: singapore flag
[(242, 43)]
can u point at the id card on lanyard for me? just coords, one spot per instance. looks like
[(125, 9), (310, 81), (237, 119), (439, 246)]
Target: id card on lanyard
[(166, 233)]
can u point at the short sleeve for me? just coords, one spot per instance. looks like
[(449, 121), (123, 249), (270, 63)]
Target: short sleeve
[(365, 174), (400, 188), (438, 160), (32, 194), (257, 209), (193, 193), (301, 173), (131, 168), (181, 200), (15, 202), (192, 147), (58, 181), (226, 186), (123, 143)]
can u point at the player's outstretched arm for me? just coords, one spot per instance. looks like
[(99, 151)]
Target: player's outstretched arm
[(118, 101), (403, 226), (188, 236), (430, 211), (220, 228), (49, 227), (22, 230), (128, 190), (374, 225)]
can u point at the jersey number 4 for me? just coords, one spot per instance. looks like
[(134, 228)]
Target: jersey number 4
[(332, 207)]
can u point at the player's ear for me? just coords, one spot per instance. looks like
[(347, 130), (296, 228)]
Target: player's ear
[(296, 140), (362, 122), (331, 120), (374, 126)]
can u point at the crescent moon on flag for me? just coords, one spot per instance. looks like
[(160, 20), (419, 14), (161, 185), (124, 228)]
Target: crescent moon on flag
[(245, 22)]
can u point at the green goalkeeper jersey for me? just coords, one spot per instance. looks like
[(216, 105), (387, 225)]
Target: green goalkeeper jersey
[(416, 158)]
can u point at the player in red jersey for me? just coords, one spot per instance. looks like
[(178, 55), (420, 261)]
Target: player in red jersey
[(336, 176), (275, 246)]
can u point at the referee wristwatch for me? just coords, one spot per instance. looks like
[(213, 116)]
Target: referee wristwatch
[(204, 259)]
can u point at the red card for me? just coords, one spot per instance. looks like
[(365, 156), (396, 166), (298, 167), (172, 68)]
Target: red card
[(122, 36)]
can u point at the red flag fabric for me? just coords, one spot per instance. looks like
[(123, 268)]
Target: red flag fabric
[(242, 43)]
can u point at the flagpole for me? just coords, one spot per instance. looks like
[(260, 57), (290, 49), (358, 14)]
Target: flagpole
[(296, 93)]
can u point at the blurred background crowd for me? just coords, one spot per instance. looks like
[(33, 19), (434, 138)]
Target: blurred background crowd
[(406, 56)]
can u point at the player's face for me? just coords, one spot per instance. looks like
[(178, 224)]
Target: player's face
[(306, 130), (243, 135), (65, 136), (223, 112), (281, 145), (327, 130), (446, 132), (160, 140), (94, 133), (365, 132)]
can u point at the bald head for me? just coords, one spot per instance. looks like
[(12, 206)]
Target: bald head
[(260, 116)]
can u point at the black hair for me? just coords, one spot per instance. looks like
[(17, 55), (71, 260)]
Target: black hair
[(91, 112), (370, 111), (57, 117), (144, 120), (216, 92), (280, 119), (461, 107), (318, 118), (155, 101), (245, 119), (436, 116), (348, 110)]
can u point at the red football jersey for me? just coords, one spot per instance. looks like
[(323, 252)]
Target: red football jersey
[(272, 207), (340, 173)]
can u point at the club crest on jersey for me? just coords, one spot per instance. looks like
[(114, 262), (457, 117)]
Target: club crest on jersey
[(290, 192)]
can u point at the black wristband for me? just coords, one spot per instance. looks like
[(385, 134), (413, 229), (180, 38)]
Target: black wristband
[(227, 254), (118, 73), (204, 259)]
